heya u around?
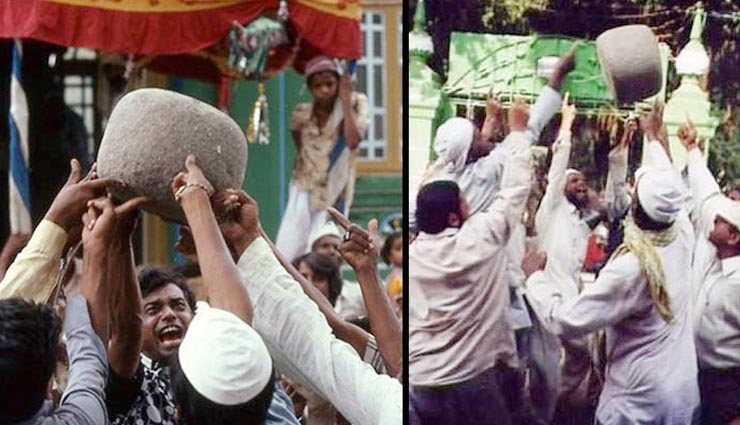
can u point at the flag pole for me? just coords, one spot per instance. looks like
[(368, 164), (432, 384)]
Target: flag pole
[(19, 187)]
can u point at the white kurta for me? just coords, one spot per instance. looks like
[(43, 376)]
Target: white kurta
[(305, 349), (480, 180), (562, 233), (458, 290), (651, 374), (716, 282)]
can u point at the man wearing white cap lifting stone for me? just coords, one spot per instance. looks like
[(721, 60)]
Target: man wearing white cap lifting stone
[(716, 285), (643, 300)]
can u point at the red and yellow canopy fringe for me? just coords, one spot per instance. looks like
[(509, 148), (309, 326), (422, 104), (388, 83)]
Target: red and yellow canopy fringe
[(170, 29)]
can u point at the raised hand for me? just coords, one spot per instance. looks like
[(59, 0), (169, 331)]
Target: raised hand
[(494, 117), (518, 115), (533, 261), (687, 135), (567, 63), (619, 147), (104, 221), (653, 125), (127, 216), (493, 105), (345, 88), (237, 214), (191, 179), (568, 113), (71, 201), (359, 246), (99, 223)]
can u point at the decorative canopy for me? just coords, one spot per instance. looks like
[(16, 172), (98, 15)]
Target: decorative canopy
[(173, 28)]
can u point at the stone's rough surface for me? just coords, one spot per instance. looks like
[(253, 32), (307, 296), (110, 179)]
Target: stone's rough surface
[(152, 131), (630, 59)]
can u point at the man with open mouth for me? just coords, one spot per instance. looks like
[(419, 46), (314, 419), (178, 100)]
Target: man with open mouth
[(138, 390)]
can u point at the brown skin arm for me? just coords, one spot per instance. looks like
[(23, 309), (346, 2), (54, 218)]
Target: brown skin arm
[(124, 295), (494, 118), (352, 134), (239, 220), (297, 139), (220, 275), (566, 64), (70, 203), (361, 253), (99, 223), (654, 128)]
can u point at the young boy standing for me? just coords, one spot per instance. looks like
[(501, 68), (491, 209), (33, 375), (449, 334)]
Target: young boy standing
[(326, 133)]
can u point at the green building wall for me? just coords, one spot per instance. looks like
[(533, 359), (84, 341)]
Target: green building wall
[(269, 167)]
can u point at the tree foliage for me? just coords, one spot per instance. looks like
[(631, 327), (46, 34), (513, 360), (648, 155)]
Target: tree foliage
[(588, 18)]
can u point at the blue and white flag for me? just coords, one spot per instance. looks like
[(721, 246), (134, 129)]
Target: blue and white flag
[(18, 177)]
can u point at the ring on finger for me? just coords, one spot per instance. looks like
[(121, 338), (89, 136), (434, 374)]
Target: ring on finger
[(347, 236)]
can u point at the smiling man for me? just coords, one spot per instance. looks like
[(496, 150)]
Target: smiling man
[(142, 345), (139, 389)]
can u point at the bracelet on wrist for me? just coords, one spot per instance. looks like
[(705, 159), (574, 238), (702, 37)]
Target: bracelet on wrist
[(182, 189)]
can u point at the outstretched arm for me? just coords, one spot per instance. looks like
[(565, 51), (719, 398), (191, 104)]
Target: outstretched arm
[(617, 198), (616, 294), (547, 103), (238, 217), (360, 251), (124, 295), (86, 324), (354, 115), (220, 276), (556, 178), (34, 273), (304, 348), (298, 336), (494, 118)]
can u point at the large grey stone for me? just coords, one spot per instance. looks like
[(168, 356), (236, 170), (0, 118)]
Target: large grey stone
[(630, 59), (151, 132)]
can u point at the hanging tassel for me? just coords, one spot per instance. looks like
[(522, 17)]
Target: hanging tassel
[(258, 130), (283, 11)]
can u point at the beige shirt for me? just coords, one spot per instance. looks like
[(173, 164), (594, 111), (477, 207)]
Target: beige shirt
[(34, 273), (311, 168), (458, 287), (716, 282)]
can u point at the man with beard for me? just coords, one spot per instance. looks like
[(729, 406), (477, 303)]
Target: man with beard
[(641, 298), (565, 218)]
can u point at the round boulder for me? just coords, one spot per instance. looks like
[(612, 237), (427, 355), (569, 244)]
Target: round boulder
[(151, 132), (630, 59)]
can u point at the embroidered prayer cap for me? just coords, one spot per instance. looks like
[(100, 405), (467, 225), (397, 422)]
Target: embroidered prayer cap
[(660, 192), (452, 142), (224, 359), (729, 210), (328, 229), (321, 64)]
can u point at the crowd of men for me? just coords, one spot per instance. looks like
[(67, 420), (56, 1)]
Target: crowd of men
[(503, 327), (95, 342)]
